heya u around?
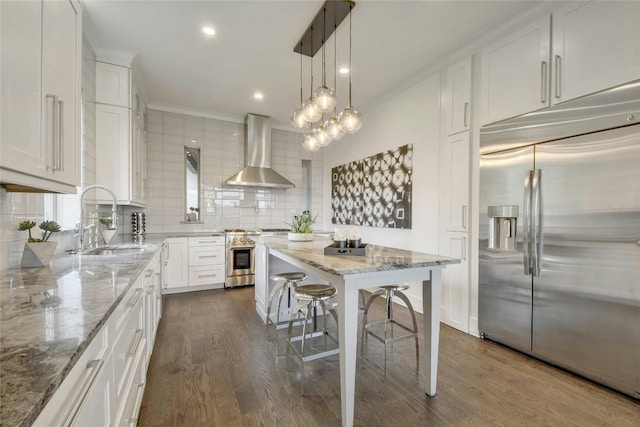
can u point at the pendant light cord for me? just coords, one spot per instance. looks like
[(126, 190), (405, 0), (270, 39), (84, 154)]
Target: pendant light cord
[(350, 68), (300, 73), (335, 64), (311, 94), (324, 28)]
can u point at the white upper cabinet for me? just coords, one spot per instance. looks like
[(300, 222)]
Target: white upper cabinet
[(515, 73), (456, 98), (112, 84), (596, 45), (590, 46), (41, 51)]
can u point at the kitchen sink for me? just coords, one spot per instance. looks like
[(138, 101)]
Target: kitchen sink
[(116, 250)]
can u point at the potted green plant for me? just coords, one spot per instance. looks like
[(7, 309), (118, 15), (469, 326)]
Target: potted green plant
[(193, 216), (301, 227), (109, 229), (38, 251)]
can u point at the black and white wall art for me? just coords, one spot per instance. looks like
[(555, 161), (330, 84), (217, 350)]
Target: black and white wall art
[(375, 191)]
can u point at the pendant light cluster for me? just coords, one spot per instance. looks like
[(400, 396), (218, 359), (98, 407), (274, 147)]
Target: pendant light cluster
[(323, 99)]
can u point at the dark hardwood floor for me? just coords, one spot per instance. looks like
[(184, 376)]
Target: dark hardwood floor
[(212, 366)]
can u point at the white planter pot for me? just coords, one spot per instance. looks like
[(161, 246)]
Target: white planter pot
[(301, 237), (108, 235), (38, 254)]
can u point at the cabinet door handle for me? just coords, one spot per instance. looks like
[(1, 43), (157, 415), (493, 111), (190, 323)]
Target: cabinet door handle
[(134, 299), (60, 156), (135, 343), (543, 82), (464, 216), (133, 421), (55, 131), (466, 110), (464, 248), (94, 367), (558, 69)]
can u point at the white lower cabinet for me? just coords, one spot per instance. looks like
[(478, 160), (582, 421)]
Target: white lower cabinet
[(193, 263), (175, 267), (106, 385), (455, 281)]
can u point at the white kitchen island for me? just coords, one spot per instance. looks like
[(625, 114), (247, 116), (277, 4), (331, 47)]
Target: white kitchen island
[(381, 265)]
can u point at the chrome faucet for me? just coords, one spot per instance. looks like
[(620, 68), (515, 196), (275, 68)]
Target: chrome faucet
[(114, 216)]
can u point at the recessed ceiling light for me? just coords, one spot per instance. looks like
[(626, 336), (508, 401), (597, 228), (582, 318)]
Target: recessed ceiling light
[(258, 95), (208, 31), (193, 140), (344, 70)]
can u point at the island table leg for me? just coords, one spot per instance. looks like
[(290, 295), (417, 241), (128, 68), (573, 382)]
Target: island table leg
[(348, 338), (431, 296)]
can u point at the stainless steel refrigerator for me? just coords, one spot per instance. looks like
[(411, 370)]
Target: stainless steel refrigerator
[(559, 247)]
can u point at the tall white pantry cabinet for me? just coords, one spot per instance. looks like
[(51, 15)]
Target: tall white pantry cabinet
[(454, 199), (40, 57), (121, 141)]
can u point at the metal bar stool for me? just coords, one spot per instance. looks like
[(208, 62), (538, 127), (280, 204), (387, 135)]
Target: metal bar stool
[(311, 347), (387, 335), (287, 281)]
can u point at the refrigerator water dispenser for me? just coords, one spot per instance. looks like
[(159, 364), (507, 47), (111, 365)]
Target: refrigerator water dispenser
[(503, 223)]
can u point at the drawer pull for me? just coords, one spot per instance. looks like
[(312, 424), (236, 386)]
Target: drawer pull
[(206, 275), (134, 299), (207, 256), (136, 407), (135, 342), (94, 367)]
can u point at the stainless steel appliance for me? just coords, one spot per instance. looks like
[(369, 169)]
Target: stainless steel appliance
[(559, 260), (240, 262)]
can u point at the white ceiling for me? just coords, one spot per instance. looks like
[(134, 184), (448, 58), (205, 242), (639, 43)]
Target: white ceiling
[(393, 42)]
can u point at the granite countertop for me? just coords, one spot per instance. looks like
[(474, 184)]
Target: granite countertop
[(49, 315), (377, 258)]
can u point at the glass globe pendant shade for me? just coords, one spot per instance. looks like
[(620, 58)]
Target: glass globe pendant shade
[(310, 112), (332, 129), (324, 99), (310, 142), (321, 136), (350, 120), (298, 121)]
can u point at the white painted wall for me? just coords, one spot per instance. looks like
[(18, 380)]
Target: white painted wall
[(410, 117)]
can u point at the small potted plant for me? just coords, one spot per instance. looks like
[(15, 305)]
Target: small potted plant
[(301, 227), (109, 229), (193, 216), (38, 251)]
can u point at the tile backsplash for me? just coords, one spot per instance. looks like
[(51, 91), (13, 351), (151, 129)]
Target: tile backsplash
[(221, 146)]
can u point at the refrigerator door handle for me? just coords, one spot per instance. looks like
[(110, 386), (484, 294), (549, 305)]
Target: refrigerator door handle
[(536, 223), (526, 222)]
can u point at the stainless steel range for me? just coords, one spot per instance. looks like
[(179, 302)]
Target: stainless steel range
[(240, 257)]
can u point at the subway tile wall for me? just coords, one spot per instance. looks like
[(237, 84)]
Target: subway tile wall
[(221, 145), (17, 207)]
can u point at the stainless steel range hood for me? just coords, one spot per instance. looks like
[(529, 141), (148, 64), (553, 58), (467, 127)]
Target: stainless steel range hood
[(257, 155)]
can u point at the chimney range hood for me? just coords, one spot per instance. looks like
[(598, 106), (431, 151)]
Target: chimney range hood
[(257, 155)]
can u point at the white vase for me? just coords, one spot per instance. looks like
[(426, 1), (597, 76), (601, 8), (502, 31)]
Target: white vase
[(38, 254), (300, 237), (108, 235)]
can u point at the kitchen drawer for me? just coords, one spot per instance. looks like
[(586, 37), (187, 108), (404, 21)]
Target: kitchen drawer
[(206, 275), (206, 255), (133, 391), (126, 348), (130, 300), (206, 241)]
